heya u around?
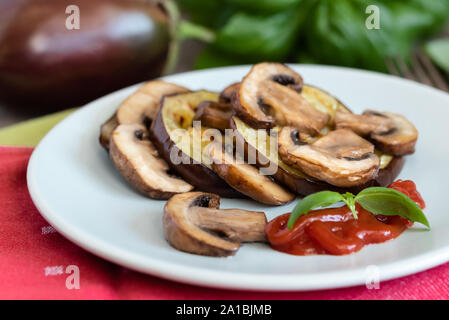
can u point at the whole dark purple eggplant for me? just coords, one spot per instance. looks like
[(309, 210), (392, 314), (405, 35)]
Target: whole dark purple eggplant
[(43, 64)]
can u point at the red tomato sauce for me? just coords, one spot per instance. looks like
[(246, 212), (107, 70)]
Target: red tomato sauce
[(335, 231)]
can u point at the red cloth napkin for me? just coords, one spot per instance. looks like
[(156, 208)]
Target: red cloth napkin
[(37, 263)]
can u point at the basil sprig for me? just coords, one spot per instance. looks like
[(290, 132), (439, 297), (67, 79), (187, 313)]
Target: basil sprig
[(377, 200)]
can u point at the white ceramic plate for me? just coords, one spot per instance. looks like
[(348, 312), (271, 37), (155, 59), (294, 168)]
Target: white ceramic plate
[(77, 190)]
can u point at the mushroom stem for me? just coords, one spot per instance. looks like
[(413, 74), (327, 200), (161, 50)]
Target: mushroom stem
[(237, 225), (194, 223)]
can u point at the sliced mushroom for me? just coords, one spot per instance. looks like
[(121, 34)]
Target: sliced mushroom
[(228, 93), (214, 114), (106, 131), (400, 139), (247, 179), (141, 107), (194, 223), (270, 95), (340, 158), (138, 162), (364, 124)]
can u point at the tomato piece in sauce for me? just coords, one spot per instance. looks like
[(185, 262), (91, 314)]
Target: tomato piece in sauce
[(335, 231), (408, 187)]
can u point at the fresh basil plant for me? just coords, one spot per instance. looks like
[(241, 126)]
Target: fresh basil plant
[(377, 200)]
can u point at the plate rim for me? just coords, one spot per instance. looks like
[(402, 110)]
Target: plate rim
[(213, 278)]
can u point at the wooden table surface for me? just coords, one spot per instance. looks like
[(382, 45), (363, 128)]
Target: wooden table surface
[(189, 50)]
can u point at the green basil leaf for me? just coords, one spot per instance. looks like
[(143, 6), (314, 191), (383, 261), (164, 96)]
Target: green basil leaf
[(263, 5), (209, 13), (438, 51), (337, 34), (349, 199), (211, 58), (390, 202), (319, 199), (261, 37)]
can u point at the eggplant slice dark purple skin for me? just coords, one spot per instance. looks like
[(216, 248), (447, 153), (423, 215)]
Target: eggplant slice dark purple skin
[(195, 173)]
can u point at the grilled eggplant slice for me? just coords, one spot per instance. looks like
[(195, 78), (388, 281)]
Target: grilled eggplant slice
[(172, 132)]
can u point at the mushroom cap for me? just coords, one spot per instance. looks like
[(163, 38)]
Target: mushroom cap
[(247, 179), (106, 131), (269, 95), (363, 124), (227, 94), (141, 107), (400, 139), (340, 158), (139, 163), (214, 114), (194, 223)]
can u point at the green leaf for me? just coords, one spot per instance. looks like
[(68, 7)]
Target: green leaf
[(260, 37), (337, 34), (212, 58), (210, 13), (390, 202), (349, 199), (319, 199), (438, 51), (263, 5), (325, 31)]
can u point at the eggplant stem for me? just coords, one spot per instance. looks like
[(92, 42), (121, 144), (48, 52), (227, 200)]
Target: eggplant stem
[(189, 30), (181, 30), (172, 57)]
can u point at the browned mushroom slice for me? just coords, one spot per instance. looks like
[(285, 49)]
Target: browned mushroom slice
[(270, 95), (214, 114), (228, 93), (340, 158), (247, 179), (400, 139), (106, 131), (295, 179), (138, 162), (194, 223), (364, 124), (141, 107)]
